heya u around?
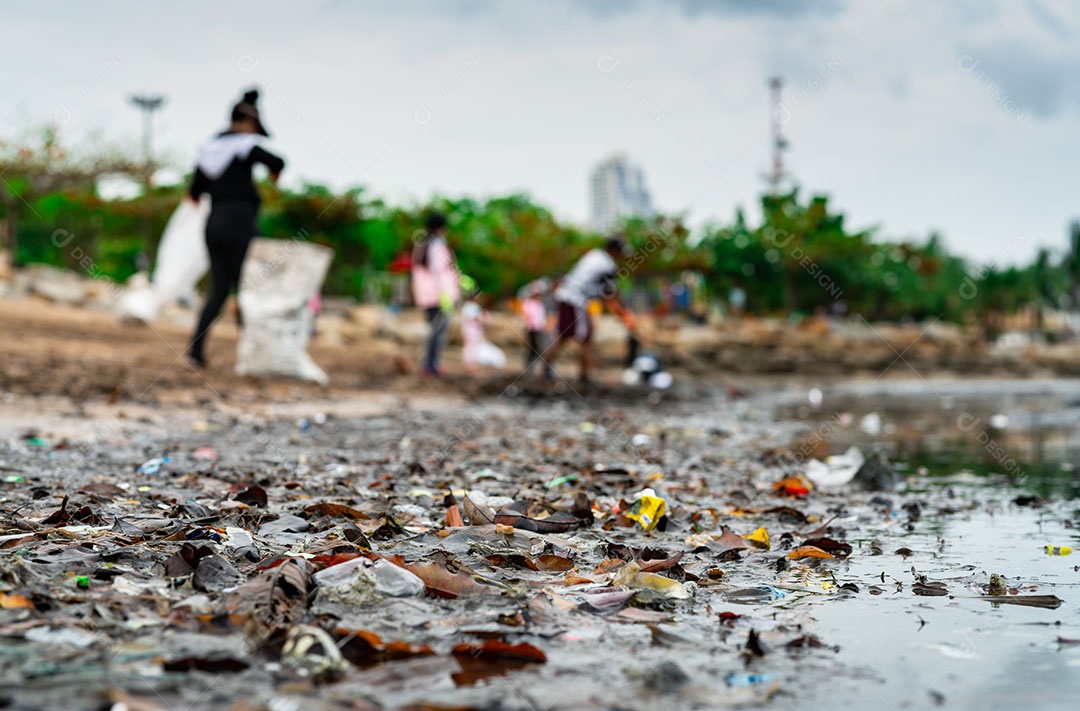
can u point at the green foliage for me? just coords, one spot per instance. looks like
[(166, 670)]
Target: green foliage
[(802, 258)]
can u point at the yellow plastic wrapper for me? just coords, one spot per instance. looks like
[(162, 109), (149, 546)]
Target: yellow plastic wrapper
[(1057, 550), (759, 539), (647, 511), (630, 576)]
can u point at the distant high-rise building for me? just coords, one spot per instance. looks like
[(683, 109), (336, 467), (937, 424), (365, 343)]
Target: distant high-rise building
[(618, 191)]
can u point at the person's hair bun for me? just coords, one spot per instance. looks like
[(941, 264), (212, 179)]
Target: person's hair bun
[(251, 96)]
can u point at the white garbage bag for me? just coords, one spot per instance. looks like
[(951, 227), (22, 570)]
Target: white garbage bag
[(489, 354), (138, 300), (182, 260), (279, 278)]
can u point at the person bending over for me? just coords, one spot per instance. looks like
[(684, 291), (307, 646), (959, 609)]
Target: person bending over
[(592, 277)]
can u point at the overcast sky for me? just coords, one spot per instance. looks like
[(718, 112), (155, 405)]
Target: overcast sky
[(912, 115)]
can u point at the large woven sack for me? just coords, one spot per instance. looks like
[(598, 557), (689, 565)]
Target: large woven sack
[(279, 279)]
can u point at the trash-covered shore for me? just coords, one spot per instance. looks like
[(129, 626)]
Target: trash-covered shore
[(521, 551)]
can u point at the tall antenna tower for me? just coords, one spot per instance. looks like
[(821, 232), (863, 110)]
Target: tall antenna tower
[(780, 115)]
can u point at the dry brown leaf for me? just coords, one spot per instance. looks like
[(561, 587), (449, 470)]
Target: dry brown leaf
[(573, 578), (609, 566), (636, 614), (478, 514), (334, 511), (12, 601), (363, 648), (808, 552), (655, 566), (502, 650), (549, 563), (275, 598), (442, 582)]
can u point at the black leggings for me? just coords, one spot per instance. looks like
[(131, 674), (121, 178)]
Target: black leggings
[(229, 230)]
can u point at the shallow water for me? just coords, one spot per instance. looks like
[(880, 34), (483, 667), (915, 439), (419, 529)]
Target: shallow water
[(994, 441), (910, 652), (1027, 431)]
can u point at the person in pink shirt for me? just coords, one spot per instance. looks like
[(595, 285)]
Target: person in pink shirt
[(534, 314), (436, 287)]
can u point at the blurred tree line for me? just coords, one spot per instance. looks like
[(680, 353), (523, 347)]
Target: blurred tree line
[(800, 259)]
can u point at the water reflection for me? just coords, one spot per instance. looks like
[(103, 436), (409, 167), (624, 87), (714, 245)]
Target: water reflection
[(1026, 433), (960, 650)]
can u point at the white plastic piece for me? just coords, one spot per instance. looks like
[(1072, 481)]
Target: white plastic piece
[(394, 581), (871, 424), (489, 354), (661, 380), (836, 470), (341, 573)]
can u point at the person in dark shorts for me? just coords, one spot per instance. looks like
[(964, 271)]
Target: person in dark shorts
[(592, 277), (223, 171)]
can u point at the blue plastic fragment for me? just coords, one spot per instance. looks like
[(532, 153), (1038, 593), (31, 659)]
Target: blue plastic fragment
[(733, 679), (202, 534), (152, 466)]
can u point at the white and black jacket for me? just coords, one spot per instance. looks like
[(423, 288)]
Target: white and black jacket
[(223, 168)]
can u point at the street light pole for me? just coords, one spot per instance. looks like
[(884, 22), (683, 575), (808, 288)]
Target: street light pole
[(148, 104)]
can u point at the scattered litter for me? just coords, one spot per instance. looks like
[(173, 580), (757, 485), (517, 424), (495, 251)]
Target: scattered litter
[(356, 562), (759, 539), (631, 577), (836, 470), (65, 636), (560, 480), (648, 509), (736, 679), (152, 466), (312, 652), (1048, 602), (871, 424)]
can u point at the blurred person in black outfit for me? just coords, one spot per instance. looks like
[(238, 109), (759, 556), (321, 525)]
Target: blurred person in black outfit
[(223, 171)]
